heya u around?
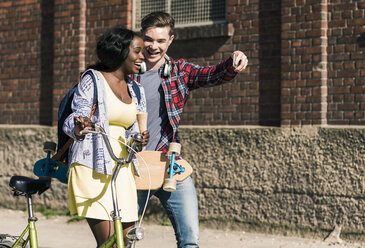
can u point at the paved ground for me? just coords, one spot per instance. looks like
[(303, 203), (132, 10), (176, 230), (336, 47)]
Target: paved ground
[(57, 233)]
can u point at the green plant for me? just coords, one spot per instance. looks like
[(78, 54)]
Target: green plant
[(75, 219), (49, 212)]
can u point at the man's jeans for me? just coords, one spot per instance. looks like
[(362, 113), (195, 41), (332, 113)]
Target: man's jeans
[(182, 208)]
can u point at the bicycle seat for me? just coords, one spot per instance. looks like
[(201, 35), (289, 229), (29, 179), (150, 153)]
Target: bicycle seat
[(29, 186)]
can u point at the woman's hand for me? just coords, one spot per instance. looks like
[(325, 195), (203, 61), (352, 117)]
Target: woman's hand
[(146, 136), (82, 123)]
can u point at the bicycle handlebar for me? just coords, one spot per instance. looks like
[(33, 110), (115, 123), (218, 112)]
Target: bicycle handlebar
[(136, 143)]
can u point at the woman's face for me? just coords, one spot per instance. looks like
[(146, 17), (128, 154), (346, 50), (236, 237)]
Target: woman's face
[(132, 64)]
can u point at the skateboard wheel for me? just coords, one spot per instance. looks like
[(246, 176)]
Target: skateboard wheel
[(174, 147), (49, 146), (169, 184)]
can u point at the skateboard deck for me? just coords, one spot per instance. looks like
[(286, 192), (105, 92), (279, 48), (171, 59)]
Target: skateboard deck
[(49, 168), (158, 164)]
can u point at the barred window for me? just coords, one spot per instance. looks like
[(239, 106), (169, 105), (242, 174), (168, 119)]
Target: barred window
[(186, 13)]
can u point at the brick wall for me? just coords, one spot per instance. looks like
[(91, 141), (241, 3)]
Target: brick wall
[(102, 15), (346, 62), (304, 62), (20, 61), (235, 103), (69, 46), (306, 59)]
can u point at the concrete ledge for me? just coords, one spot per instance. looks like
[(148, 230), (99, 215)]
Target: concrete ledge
[(303, 178)]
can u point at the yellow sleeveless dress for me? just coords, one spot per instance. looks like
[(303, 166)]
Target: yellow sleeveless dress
[(89, 192)]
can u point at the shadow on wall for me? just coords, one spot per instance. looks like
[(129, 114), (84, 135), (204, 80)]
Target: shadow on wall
[(47, 56), (196, 48), (361, 40), (270, 62)]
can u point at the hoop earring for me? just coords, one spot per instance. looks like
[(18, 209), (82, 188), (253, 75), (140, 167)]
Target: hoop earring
[(167, 67)]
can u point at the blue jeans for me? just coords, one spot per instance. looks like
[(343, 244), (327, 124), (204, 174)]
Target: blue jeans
[(181, 207)]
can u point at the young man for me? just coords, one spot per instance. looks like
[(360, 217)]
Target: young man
[(167, 85)]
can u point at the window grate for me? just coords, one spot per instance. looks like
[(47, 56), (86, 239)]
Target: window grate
[(186, 13)]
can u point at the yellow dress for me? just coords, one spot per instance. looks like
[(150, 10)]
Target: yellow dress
[(89, 191)]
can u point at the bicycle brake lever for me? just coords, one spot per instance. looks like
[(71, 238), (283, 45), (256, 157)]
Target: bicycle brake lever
[(83, 132), (95, 129)]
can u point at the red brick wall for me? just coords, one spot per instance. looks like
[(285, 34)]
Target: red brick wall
[(77, 26), (102, 15), (69, 46), (306, 59), (235, 103), (346, 62), (20, 59)]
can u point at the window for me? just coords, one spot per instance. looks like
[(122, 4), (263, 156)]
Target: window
[(186, 13)]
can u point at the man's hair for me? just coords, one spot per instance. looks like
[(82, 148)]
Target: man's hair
[(158, 19)]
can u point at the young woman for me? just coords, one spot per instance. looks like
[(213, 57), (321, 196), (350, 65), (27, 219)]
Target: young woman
[(119, 52)]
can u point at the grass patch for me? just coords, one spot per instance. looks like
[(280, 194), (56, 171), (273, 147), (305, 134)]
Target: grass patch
[(165, 223), (75, 219), (49, 212)]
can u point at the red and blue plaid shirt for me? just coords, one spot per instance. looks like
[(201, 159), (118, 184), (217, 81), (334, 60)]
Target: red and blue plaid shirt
[(184, 78)]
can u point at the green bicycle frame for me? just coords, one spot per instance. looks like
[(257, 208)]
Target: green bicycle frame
[(118, 233), (32, 236), (117, 237)]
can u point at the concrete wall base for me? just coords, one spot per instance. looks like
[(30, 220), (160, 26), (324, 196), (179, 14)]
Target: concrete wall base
[(270, 179)]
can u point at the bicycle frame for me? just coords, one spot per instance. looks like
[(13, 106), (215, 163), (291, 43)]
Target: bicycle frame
[(32, 237), (117, 237), (30, 229)]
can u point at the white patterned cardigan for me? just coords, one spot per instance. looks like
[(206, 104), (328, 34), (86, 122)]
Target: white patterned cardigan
[(92, 151)]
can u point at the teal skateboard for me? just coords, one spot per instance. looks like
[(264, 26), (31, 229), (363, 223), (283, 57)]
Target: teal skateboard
[(49, 168)]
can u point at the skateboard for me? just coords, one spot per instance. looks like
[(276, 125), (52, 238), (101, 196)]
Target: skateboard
[(50, 168), (159, 169)]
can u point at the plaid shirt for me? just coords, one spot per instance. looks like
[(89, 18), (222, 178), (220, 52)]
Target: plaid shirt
[(184, 78)]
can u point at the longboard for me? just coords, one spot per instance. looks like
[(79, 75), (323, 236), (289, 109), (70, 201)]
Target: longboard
[(158, 164), (49, 168)]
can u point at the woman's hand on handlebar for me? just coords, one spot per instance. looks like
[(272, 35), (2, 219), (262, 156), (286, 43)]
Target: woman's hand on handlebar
[(82, 123), (146, 136)]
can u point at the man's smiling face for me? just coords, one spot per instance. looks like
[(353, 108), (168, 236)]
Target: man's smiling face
[(156, 42)]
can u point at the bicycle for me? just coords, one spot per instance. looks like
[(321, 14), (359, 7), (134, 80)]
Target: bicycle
[(25, 186)]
